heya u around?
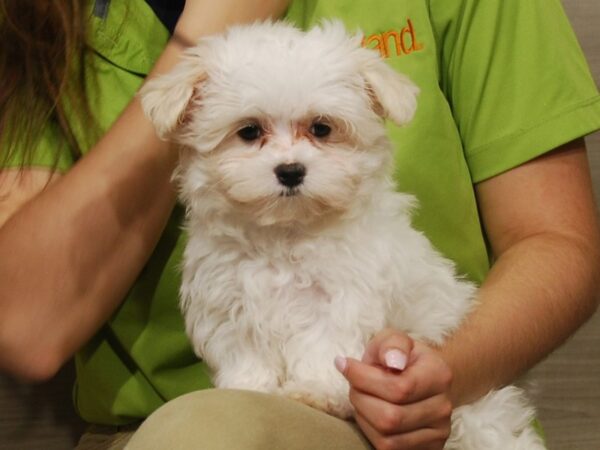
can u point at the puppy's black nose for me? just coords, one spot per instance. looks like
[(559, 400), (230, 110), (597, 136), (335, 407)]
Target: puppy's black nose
[(290, 175)]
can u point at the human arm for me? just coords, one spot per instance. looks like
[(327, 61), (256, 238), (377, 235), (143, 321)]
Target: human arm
[(542, 225), (71, 249), (543, 229)]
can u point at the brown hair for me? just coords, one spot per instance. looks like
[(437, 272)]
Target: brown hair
[(41, 71)]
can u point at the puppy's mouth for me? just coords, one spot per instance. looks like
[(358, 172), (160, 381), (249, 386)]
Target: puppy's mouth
[(290, 192)]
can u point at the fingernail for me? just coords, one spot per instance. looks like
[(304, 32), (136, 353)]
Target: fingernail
[(340, 363), (395, 359)]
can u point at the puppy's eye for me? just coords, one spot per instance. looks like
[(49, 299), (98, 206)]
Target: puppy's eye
[(250, 132), (320, 129)]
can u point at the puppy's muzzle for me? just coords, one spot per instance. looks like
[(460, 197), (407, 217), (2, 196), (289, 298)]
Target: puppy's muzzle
[(290, 175)]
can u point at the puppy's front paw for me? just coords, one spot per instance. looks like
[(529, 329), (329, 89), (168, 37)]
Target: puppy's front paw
[(256, 380), (320, 398)]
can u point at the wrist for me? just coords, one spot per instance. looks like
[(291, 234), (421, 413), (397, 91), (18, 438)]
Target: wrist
[(205, 17), (456, 393), (471, 378)]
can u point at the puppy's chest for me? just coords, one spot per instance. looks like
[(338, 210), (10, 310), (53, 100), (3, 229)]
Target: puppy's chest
[(319, 278), (275, 280)]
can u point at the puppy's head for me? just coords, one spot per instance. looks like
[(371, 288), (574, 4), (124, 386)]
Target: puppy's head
[(278, 125)]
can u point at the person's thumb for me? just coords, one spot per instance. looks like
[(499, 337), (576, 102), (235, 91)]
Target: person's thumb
[(389, 348)]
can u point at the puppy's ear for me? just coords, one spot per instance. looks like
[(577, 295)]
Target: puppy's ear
[(394, 95), (165, 98)]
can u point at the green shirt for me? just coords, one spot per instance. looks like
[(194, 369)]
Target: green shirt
[(502, 81)]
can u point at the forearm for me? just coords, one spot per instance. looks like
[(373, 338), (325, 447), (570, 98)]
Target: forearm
[(536, 295), (76, 248)]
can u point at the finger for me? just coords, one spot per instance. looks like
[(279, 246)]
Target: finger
[(410, 386), (388, 418), (372, 380), (423, 439), (389, 348), (427, 375)]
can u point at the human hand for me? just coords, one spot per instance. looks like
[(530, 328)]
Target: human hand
[(205, 17), (400, 392), (201, 18)]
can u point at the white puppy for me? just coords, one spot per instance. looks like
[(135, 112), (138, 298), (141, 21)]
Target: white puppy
[(300, 249)]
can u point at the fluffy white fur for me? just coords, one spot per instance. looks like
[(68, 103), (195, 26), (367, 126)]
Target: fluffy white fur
[(277, 281)]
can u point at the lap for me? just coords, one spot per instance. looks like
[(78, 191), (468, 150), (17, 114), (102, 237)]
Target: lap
[(219, 419)]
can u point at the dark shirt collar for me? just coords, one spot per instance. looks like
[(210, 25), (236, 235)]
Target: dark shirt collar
[(168, 11)]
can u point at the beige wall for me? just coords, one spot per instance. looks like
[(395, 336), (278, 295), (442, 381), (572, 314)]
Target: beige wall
[(585, 16), (569, 381)]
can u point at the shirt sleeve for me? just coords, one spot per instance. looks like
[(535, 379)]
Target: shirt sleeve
[(515, 77)]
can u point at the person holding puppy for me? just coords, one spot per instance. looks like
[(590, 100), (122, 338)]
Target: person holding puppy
[(104, 258)]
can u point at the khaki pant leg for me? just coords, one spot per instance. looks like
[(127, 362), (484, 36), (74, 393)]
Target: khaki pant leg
[(219, 419)]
